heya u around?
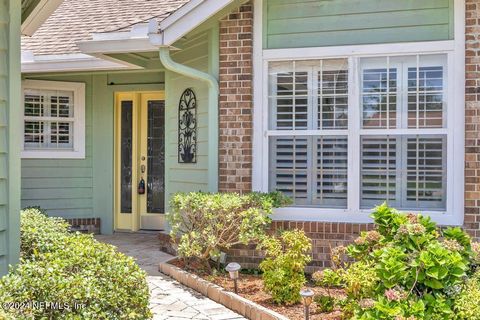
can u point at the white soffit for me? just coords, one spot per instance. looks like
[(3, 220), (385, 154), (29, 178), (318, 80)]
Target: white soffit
[(69, 62)]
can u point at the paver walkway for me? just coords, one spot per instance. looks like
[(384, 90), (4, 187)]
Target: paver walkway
[(169, 300)]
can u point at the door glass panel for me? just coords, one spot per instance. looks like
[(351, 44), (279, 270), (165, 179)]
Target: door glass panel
[(126, 156), (156, 157)]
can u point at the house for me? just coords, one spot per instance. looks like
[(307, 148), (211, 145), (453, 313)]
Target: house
[(341, 104), (16, 17)]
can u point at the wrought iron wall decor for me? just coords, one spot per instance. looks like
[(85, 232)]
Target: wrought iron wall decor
[(187, 127)]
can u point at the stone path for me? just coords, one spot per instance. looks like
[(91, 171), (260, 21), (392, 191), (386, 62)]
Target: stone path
[(169, 300)]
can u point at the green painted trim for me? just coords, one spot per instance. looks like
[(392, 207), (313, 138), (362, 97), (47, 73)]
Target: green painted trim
[(14, 134), (213, 96), (103, 158)]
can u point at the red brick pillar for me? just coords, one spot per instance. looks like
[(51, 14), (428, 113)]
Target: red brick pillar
[(236, 104), (472, 118)]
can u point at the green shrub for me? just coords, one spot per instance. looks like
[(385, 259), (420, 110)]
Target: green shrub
[(324, 303), (283, 268), (39, 233), (467, 303), (90, 279), (405, 269), (203, 224)]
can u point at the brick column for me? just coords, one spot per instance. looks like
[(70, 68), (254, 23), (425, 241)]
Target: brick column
[(472, 118), (235, 119)]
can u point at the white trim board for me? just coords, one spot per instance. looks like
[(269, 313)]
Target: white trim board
[(456, 57), (70, 62)]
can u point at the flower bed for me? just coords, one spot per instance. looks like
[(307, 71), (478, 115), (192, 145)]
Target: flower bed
[(250, 287)]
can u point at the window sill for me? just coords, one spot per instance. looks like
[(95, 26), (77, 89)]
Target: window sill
[(53, 154), (346, 216)]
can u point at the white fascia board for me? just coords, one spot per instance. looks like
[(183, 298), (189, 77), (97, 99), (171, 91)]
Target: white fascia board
[(182, 11), (39, 15), (177, 26), (69, 62), (116, 44)]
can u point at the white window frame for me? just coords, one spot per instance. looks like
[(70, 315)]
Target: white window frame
[(455, 51), (78, 150)]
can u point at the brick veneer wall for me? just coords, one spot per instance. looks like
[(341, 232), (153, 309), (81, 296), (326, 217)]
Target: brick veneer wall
[(472, 118), (86, 225), (236, 122)]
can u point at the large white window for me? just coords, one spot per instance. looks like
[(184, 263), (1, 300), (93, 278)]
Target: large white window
[(350, 133), (54, 119)]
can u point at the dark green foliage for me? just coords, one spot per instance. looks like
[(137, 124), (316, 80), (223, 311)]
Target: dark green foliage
[(406, 269), (66, 268)]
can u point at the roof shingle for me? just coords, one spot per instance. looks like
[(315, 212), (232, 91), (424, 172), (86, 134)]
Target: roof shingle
[(77, 20)]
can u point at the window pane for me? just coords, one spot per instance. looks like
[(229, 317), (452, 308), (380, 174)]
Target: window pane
[(409, 172), (379, 98), (425, 97), (333, 95), (34, 134), (34, 104), (311, 170), (289, 167), (126, 160), (61, 104), (378, 171), (290, 100), (331, 160), (61, 135), (426, 172)]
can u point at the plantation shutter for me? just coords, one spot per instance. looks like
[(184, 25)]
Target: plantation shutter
[(378, 167)]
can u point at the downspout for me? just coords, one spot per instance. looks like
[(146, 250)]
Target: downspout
[(213, 94)]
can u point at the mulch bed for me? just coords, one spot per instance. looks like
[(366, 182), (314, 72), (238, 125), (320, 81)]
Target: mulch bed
[(251, 287)]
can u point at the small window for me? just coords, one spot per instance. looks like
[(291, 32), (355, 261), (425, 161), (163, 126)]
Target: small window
[(54, 119)]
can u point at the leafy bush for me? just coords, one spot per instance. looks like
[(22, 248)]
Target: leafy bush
[(91, 280), (324, 303), (283, 268), (406, 269), (467, 303), (39, 233), (203, 224)]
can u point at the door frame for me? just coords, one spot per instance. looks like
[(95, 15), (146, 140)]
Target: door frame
[(128, 222)]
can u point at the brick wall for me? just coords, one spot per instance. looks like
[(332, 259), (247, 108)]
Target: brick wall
[(235, 119), (472, 118), (85, 225)]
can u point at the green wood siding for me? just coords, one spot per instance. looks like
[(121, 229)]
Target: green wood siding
[(83, 188), (63, 186), (316, 23), (179, 176), (9, 149)]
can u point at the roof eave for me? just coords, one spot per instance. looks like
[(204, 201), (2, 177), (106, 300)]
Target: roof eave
[(150, 37), (70, 63), (38, 15)]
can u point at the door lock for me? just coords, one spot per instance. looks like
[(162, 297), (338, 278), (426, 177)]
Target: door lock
[(142, 168)]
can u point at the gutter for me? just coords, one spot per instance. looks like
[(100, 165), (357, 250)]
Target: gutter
[(213, 97)]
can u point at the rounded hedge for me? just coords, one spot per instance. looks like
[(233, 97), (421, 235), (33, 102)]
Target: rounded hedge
[(71, 276)]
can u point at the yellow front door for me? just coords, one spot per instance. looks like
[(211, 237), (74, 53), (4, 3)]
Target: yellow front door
[(139, 161)]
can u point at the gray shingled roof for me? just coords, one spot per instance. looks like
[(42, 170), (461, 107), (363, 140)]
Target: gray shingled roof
[(76, 20)]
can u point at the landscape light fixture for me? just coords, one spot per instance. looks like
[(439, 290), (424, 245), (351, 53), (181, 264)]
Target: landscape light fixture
[(307, 299), (233, 269)]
